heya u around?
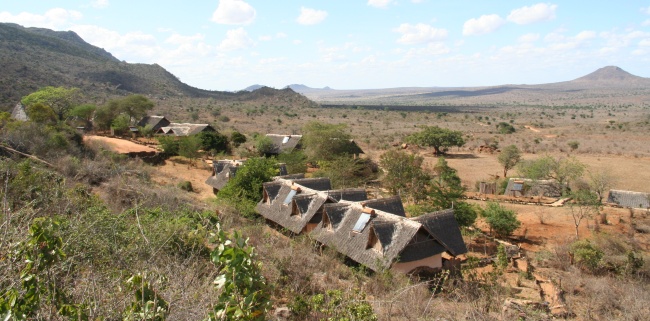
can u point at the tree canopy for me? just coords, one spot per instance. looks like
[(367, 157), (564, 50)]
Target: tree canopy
[(441, 139), (60, 99), (565, 170), (508, 158), (326, 141), (134, 106), (501, 220)]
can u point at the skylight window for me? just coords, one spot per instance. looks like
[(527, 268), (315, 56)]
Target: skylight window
[(292, 193), (285, 139), (361, 222)]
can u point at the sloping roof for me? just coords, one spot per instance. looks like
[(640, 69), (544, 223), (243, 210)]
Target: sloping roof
[(444, 228), (319, 183), (297, 213), (156, 122), (391, 205), (549, 188), (392, 231), (19, 113), (185, 129), (629, 199), (222, 172), (284, 143), (348, 194)]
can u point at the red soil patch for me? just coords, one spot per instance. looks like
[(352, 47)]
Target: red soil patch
[(117, 145)]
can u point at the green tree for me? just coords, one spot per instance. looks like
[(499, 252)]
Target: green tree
[(104, 116), (573, 145), (441, 139), (189, 146), (404, 175), (135, 106), (120, 124), (600, 182), (326, 141), (509, 158), (60, 99), (84, 111), (501, 220), (346, 171), (40, 113), (295, 161), (586, 255), (564, 170), (213, 141), (169, 144), (237, 138), (245, 189), (264, 145), (505, 128), (447, 192)]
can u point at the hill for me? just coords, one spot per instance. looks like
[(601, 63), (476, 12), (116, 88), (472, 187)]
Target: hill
[(31, 58)]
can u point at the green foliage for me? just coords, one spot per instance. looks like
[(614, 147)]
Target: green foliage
[(465, 213), (213, 141), (245, 189), (237, 138), (586, 255), (404, 175), (296, 161), (584, 204), (104, 116), (325, 142), (120, 124), (147, 304), (60, 99), (573, 145), (441, 139), (84, 111), (189, 146), (502, 258), (563, 170), (345, 171), (264, 145), (509, 157), (501, 220), (169, 144), (505, 128), (40, 253), (333, 305), (244, 292), (40, 113), (134, 106)]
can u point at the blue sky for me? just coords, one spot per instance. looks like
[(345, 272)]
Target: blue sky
[(357, 44)]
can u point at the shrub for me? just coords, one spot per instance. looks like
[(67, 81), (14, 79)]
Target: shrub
[(501, 220), (586, 255), (186, 186)]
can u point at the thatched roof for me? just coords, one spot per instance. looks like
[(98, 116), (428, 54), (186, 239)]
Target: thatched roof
[(348, 194), (156, 122), (444, 228), (629, 199), (391, 205), (19, 113), (319, 184), (185, 129), (284, 143), (400, 239), (222, 172), (298, 211), (529, 187)]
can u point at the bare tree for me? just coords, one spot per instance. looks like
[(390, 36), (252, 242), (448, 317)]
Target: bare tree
[(600, 182), (583, 206)]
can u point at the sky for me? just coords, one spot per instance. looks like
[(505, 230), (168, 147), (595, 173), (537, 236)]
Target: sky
[(357, 44)]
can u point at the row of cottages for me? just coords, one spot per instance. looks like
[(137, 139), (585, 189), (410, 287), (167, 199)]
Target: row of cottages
[(161, 125), (375, 233), (289, 143), (224, 170)]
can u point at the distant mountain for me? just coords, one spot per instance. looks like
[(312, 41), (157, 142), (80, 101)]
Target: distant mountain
[(305, 89), (31, 58), (613, 76), (253, 87)]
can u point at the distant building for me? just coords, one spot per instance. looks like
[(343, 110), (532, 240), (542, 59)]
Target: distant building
[(629, 199), (155, 122), (224, 170), (284, 143), (520, 187), (185, 129)]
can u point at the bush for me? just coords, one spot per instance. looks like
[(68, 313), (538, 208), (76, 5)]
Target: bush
[(586, 255), (186, 186), (501, 220)]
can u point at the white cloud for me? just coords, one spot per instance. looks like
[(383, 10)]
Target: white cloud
[(297, 42), (53, 19), (280, 35), (646, 23), (433, 49), (419, 33), (535, 13), (379, 3), (265, 38), (311, 16), (236, 39), (585, 35), (645, 10), (644, 43), (132, 46), (100, 4), (483, 25), (178, 39), (529, 37), (234, 12)]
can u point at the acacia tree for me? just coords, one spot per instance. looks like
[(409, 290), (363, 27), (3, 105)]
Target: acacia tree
[(404, 174), (60, 99), (324, 142), (509, 157), (584, 205), (564, 170), (441, 139), (600, 182)]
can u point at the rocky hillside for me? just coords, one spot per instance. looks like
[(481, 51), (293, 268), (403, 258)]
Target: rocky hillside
[(31, 58)]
